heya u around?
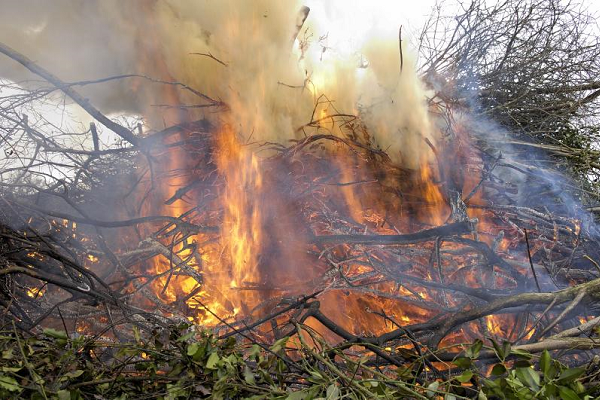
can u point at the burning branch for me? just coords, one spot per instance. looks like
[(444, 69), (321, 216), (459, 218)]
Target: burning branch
[(455, 229), (209, 55)]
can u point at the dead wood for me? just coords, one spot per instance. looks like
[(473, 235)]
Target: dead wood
[(454, 229)]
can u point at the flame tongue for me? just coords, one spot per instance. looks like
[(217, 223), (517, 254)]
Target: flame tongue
[(241, 232)]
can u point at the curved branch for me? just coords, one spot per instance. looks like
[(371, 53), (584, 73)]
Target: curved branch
[(66, 89)]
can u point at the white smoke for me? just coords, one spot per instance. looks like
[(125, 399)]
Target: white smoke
[(81, 40)]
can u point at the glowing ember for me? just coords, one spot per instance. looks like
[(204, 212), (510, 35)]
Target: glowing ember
[(36, 292)]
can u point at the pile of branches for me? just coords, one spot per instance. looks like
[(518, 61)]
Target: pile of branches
[(545, 278), (529, 65)]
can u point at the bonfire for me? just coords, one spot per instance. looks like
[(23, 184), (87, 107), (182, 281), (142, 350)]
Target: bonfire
[(277, 223)]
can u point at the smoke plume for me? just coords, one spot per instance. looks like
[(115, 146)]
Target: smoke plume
[(270, 92)]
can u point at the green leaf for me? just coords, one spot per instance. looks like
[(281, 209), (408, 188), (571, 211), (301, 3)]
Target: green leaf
[(473, 351), (212, 361), (185, 337), (9, 383), (570, 374), (405, 373), (567, 394), (522, 354), (545, 362), (482, 396), (249, 375), (498, 349), (176, 370), (550, 390), (333, 392), (192, 349), (465, 376), (462, 362), (316, 377), (506, 348), (498, 370), (11, 369), (278, 345), (522, 364), (175, 391), (74, 374), (37, 379), (103, 387), (64, 395), (299, 395), (255, 352), (432, 389), (8, 354), (529, 377), (53, 333)]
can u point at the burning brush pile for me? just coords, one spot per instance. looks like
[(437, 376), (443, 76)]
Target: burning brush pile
[(358, 233)]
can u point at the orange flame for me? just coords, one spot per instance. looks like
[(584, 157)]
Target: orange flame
[(241, 233)]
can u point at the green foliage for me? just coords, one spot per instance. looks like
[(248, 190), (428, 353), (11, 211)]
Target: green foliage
[(514, 376), (185, 363)]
